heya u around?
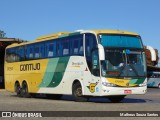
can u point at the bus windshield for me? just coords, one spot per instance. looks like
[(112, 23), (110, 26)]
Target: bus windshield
[(120, 41), (123, 63), (124, 56)]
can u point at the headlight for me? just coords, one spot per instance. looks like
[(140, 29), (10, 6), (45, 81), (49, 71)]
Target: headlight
[(143, 84), (104, 73), (108, 84)]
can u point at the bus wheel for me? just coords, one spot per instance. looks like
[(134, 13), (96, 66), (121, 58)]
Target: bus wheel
[(18, 89), (77, 93), (116, 99), (24, 90), (159, 85)]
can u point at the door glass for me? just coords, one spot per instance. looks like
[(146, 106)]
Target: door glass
[(95, 63)]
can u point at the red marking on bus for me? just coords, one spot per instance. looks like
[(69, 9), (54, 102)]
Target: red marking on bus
[(114, 73), (128, 91)]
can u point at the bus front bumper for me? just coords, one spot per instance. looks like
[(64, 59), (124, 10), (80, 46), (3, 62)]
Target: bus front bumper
[(107, 91)]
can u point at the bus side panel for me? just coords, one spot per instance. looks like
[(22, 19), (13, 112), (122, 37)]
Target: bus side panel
[(54, 75), (9, 81), (68, 69), (31, 72), (77, 69)]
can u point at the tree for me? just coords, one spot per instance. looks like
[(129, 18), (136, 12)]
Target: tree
[(2, 34)]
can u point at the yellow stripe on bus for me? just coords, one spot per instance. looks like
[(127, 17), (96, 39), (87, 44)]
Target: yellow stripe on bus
[(120, 82)]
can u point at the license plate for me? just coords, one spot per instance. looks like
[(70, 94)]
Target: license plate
[(128, 91)]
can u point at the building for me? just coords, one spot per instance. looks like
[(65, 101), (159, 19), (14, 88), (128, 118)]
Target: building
[(4, 42)]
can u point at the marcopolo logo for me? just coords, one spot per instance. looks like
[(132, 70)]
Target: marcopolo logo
[(29, 67)]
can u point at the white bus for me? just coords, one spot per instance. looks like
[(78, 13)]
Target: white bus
[(153, 79), (86, 63)]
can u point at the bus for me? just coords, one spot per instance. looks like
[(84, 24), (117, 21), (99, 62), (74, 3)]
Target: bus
[(153, 79), (84, 63)]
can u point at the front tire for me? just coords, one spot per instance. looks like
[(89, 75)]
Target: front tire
[(77, 93)]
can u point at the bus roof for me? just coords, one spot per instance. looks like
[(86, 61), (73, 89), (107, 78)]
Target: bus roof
[(114, 32), (63, 34)]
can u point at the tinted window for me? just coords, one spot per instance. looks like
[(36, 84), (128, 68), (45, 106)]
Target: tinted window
[(15, 54), (50, 48), (72, 45), (66, 47), (30, 52), (20, 53), (59, 48), (90, 45), (10, 55), (77, 45), (38, 50), (120, 41)]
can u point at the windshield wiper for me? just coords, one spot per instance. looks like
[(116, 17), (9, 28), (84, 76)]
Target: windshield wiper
[(135, 71), (121, 71), (133, 68)]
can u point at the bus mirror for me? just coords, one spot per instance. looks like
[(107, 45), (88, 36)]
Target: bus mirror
[(101, 52)]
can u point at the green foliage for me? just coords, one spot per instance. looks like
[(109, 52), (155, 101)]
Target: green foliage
[(2, 34)]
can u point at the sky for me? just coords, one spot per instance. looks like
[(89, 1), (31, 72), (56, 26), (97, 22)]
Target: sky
[(29, 19)]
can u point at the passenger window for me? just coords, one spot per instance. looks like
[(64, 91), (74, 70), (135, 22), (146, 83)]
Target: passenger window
[(50, 48), (42, 51), (11, 55), (50, 51), (17, 56), (59, 48), (66, 47), (37, 52), (81, 48), (30, 52), (21, 53), (77, 45)]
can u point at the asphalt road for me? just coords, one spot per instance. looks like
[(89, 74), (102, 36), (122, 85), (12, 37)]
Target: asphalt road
[(148, 102)]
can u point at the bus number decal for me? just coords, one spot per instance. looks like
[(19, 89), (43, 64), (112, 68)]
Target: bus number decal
[(29, 67), (92, 87)]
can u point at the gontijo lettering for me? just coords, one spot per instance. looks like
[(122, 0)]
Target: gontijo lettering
[(29, 67)]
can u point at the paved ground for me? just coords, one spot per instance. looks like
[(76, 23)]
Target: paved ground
[(147, 102)]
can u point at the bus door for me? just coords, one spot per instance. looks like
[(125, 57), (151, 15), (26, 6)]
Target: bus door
[(92, 73)]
